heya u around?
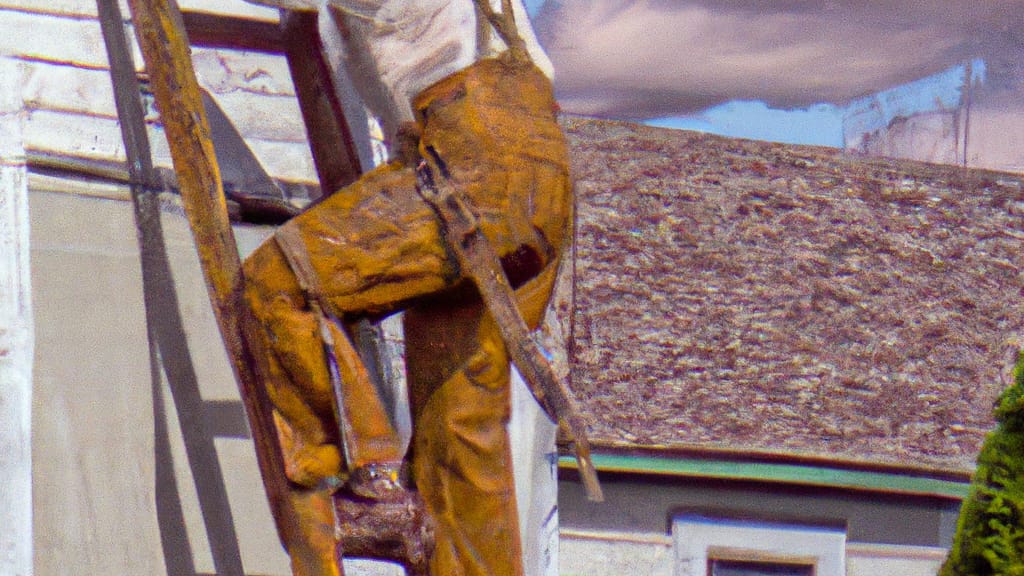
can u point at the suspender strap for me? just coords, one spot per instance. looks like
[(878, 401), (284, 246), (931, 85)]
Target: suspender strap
[(366, 439), (504, 23), (289, 239)]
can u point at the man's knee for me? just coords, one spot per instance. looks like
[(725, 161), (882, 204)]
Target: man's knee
[(269, 279)]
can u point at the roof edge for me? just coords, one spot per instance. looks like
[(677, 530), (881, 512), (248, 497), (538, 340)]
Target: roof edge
[(782, 469), (729, 453)]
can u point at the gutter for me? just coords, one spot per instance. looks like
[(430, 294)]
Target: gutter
[(818, 475)]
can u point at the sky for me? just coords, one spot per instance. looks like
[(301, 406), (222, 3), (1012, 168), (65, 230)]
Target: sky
[(821, 124), (783, 70)]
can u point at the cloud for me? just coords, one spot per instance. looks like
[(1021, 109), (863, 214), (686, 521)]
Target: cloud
[(646, 58)]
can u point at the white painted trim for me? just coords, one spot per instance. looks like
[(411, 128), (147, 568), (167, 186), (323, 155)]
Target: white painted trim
[(663, 540), (871, 559), (85, 9), (78, 187), (16, 333), (699, 538), (862, 550)]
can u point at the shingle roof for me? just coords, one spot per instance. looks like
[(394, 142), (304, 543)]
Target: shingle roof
[(790, 300)]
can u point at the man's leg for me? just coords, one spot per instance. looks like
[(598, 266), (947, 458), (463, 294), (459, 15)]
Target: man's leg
[(494, 125), (376, 247), (459, 383), (379, 245)]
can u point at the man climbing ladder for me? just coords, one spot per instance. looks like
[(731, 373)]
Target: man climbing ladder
[(376, 247)]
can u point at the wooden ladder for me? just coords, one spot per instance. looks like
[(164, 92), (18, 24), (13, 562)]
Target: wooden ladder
[(161, 31)]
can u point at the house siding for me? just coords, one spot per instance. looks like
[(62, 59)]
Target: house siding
[(69, 98)]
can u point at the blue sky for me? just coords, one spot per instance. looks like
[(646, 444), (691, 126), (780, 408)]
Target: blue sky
[(822, 124), (533, 5)]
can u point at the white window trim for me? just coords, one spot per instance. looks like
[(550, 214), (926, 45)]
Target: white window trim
[(698, 538)]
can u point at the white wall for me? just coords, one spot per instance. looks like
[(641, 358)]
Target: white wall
[(994, 134), (96, 465), (608, 553), (882, 560), (996, 138), (92, 424)]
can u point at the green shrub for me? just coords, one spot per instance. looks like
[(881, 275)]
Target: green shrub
[(990, 532)]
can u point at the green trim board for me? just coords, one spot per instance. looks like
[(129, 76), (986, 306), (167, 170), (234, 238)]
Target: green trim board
[(798, 474)]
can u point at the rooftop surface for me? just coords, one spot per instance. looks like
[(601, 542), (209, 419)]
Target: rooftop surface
[(753, 297)]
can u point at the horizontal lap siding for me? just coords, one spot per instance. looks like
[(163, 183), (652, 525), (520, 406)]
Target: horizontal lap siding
[(87, 8), (40, 36), (70, 104)]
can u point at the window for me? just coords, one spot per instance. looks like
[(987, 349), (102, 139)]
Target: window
[(707, 546), (744, 568)]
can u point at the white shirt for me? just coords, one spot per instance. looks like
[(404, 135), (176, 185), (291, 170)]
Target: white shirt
[(393, 49)]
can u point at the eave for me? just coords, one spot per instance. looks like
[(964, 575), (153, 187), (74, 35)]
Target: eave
[(781, 470)]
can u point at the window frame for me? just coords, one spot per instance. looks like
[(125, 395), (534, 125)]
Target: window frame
[(700, 539), (757, 558)]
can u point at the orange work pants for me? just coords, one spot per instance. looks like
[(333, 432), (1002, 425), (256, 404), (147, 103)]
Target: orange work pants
[(377, 248)]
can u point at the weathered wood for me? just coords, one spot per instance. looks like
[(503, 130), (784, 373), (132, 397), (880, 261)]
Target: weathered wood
[(232, 32), (479, 261), (70, 106), (165, 49), (330, 140), (33, 35), (67, 140)]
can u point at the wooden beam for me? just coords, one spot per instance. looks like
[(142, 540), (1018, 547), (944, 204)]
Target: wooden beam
[(165, 48), (297, 37), (232, 32), (330, 140)]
